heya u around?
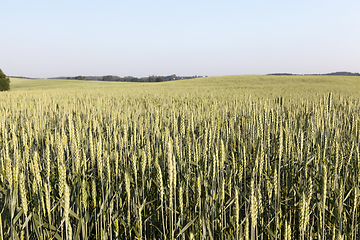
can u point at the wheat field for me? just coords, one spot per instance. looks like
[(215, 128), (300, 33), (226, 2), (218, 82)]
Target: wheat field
[(237, 158)]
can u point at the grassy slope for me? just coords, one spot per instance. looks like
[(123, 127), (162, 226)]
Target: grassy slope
[(19, 84), (257, 85)]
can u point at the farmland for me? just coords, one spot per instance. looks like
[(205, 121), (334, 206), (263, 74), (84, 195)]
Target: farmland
[(234, 157)]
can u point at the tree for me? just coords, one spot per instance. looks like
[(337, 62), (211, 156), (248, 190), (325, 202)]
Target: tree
[(108, 78), (159, 79), (152, 78), (80, 78), (4, 82)]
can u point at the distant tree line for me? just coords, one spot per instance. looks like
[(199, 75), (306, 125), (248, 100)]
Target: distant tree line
[(343, 74), (281, 74), (326, 74), (77, 78), (113, 78)]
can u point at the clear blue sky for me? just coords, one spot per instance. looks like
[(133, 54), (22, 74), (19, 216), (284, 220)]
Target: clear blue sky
[(142, 38)]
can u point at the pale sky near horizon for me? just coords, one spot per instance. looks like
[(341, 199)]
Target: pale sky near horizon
[(142, 38)]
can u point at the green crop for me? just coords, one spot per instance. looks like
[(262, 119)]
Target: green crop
[(159, 162)]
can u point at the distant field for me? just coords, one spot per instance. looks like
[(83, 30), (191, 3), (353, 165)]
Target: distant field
[(233, 157), (256, 85), (21, 84)]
